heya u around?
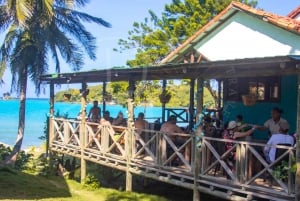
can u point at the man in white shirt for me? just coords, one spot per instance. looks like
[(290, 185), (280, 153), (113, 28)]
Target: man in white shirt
[(273, 124), (280, 138)]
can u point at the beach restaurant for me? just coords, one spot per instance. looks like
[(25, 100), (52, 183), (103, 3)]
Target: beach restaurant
[(255, 57)]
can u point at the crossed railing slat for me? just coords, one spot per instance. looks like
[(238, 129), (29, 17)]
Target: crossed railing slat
[(154, 147), (144, 145)]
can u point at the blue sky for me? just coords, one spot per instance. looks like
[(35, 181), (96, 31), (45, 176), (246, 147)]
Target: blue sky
[(122, 14)]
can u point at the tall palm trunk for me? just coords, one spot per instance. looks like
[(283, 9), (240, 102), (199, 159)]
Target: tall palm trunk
[(11, 159)]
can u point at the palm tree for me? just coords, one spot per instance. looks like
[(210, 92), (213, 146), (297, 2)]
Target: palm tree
[(36, 29)]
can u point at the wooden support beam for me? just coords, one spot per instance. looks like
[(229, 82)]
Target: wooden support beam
[(129, 143), (82, 130), (163, 107), (199, 158), (196, 168), (297, 185), (192, 104), (199, 95), (103, 97), (220, 98)]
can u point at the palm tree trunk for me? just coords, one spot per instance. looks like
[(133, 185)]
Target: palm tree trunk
[(11, 159)]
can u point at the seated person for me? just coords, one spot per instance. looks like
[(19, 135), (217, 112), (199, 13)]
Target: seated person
[(233, 129), (140, 122), (241, 124), (104, 122), (209, 129), (232, 132), (119, 120), (280, 138), (106, 116), (170, 127), (95, 113)]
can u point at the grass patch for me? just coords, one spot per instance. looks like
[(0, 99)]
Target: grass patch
[(17, 185)]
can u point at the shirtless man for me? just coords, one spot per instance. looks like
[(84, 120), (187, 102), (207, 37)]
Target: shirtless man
[(170, 127), (95, 113), (141, 123)]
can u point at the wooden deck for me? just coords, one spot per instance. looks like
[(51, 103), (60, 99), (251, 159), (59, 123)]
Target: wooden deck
[(196, 163)]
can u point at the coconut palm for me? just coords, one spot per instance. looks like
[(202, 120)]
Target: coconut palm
[(36, 29)]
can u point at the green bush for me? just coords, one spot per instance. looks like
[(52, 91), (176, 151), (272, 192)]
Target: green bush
[(91, 182), (22, 159), (282, 170)]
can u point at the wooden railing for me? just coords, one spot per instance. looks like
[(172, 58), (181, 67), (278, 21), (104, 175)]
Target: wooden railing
[(240, 171), (181, 114)]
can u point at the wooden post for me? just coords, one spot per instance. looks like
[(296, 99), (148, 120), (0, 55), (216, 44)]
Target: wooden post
[(82, 131), (198, 160), (196, 167), (66, 132), (199, 95), (192, 103), (297, 185), (129, 134), (220, 93), (103, 98), (163, 107)]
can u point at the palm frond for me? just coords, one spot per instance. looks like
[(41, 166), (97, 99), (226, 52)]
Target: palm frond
[(77, 30), (72, 3), (5, 19), (48, 9), (23, 11), (81, 16), (69, 50), (55, 57)]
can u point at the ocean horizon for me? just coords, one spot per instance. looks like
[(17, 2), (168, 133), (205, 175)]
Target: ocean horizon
[(37, 110)]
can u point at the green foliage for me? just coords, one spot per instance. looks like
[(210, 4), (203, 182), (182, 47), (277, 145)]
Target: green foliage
[(39, 164), (91, 182), (157, 36), (22, 159), (282, 170), (147, 93)]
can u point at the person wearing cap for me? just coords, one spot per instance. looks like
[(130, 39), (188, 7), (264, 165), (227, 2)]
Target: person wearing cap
[(280, 138), (273, 124), (233, 131)]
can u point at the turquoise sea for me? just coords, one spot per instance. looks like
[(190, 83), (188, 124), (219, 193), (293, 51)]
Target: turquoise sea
[(37, 111)]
